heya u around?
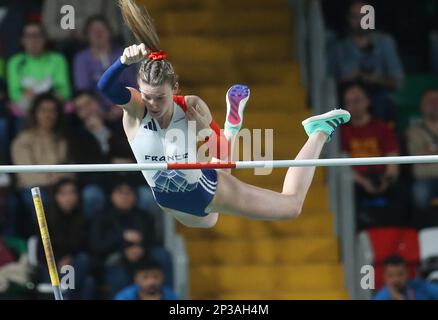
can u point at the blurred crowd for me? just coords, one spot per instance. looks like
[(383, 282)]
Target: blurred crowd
[(106, 226), (369, 67)]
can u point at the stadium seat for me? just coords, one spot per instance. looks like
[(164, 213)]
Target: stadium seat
[(428, 241), (375, 245), (390, 241)]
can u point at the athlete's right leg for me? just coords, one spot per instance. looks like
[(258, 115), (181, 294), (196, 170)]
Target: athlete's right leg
[(193, 221), (236, 197)]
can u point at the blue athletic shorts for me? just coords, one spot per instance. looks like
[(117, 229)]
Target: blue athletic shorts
[(173, 191)]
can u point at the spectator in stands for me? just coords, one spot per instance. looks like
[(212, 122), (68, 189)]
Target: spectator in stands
[(91, 63), (69, 236), (366, 136), (14, 269), (84, 9), (429, 269), (36, 71), (370, 57), (6, 127), (422, 139), (42, 142), (399, 287), (14, 14), (148, 284), (108, 141), (11, 20), (122, 235), (95, 140)]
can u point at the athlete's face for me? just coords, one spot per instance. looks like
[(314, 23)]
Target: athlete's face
[(158, 99)]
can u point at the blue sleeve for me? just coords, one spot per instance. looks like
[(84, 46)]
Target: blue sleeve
[(121, 296), (109, 84), (432, 289), (169, 294), (382, 294), (129, 293)]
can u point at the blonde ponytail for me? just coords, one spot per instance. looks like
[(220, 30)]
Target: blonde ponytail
[(140, 23), (153, 71)]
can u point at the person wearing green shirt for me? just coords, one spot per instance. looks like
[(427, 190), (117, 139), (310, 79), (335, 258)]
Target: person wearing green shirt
[(36, 70)]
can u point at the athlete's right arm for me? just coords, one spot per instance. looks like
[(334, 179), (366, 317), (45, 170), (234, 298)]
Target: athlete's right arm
[(110, 85)]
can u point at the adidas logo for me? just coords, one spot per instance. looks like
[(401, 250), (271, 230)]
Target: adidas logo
[(151, 126), (335, 122)]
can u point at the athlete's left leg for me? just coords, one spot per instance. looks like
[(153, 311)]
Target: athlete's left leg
[(236, 99)]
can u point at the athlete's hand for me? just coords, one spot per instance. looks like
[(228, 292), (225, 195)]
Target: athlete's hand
[(134, 54), (202, 118)]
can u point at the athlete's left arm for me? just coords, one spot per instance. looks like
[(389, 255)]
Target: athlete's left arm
[(197, 110)]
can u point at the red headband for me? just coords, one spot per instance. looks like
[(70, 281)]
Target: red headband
[(158, 55)]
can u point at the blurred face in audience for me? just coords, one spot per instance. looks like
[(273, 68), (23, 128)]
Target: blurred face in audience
[(149, 281), (123, 198), (429, 105), (98, 34), (46, 115), (355, 17), (86, 106), (33, 40), (396, 276), (356, 102), (67, 197)]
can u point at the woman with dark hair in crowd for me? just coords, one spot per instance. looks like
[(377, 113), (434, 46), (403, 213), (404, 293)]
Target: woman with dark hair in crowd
[(41, 142), (91, 63), (69, 235), (45, 140)]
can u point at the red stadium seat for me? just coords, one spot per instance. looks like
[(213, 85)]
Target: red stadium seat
[(385, 242), (394, 241)]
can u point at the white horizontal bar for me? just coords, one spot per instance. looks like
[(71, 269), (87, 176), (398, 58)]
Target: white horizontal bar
[(336, 162), (82, 168), (239, 164)]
